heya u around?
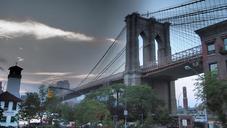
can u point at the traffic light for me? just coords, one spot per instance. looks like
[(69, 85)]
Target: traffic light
[(50, 93)]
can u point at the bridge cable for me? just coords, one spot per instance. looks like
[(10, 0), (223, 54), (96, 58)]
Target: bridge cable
[(82, 81)]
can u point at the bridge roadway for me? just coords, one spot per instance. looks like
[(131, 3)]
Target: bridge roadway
[(173, 69)]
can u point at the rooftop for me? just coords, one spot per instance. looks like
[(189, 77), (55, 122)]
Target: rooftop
[(212, 27), (6, 96)]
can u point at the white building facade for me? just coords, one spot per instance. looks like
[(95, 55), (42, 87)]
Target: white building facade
[(10, 104)]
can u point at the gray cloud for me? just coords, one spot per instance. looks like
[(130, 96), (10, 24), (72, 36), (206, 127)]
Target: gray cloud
[(3, 60), (13, 29)]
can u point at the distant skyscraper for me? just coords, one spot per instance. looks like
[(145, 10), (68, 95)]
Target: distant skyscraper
[(185, 98), (14, 80), (61, 84)]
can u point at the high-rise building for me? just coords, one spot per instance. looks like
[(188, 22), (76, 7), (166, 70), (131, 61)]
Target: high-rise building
[(185, 98), (14, 80), (62, 87)]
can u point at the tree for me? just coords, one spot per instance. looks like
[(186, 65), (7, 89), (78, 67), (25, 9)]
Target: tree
[(139, 100), (52, 105), (42, 98), (142, 102), (30, 107), (67, 112), (213, 93), (111, 97), (91, 111)]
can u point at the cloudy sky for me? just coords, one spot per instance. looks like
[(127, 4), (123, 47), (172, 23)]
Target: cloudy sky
[(59, 39)]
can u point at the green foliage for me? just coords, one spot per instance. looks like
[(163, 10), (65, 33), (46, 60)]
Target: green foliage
[(111, 97), (91, 111), (52, 107), (42, 93), (30, 107), (213, 93), (161, 118), (140, 101), (52, 104), (67, 112), (42, 98)]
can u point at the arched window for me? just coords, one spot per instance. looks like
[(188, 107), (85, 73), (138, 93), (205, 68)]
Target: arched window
[(140, 50)]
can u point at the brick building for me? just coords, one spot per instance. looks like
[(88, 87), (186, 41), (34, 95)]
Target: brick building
[(214, 47)]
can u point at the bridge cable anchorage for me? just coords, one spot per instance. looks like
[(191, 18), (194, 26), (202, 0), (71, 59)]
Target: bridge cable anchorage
[(99, 61)]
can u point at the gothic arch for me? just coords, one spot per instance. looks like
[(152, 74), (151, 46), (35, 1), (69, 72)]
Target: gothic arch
[(150, 30)]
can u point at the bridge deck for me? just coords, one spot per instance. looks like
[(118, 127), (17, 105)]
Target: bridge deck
[(174, 69)]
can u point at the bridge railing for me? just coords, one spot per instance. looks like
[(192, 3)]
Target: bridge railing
[(185, 55), (192, 52)]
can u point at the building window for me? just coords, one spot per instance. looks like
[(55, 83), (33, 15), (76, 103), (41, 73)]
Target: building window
[(3, 119), (213, 67), (210, 48), (6, 105), (14, 105), (13, 119), (225, 44)]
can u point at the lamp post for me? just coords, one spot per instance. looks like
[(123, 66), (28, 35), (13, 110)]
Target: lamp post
[(125, 114)]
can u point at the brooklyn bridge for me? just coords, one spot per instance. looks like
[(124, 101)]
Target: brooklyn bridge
[(154, 48)]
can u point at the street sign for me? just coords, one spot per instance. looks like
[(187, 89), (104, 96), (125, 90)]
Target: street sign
[(184, 122)]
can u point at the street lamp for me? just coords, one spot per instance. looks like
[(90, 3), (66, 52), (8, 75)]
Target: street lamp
[(125, 114)]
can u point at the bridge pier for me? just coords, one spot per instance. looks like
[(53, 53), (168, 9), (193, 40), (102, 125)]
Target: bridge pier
[(132, 78), (165, 91)]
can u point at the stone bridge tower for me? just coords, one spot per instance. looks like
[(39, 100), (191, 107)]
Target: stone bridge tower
[(150, 30)]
